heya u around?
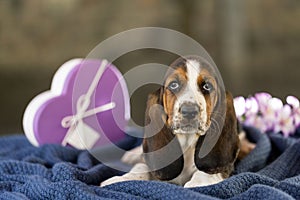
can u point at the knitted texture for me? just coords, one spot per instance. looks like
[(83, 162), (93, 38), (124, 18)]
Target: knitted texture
[(271, 171)]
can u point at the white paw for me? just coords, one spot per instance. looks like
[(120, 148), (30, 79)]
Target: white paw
[(191, 184), (203, 179), (139, 172), (133, 156), (114, 179)]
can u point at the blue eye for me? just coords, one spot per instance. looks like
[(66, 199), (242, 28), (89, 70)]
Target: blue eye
[(207, 87), (174, 86)]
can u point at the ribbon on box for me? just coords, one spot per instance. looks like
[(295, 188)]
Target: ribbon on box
[(78, 110), (81, 135)]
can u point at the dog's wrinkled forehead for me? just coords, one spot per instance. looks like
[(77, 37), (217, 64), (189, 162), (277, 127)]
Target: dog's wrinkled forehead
[(194, 63)]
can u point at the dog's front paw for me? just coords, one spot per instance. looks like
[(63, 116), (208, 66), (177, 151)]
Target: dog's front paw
[(133, 156), (138, 172), (114, 179), (203, 179)]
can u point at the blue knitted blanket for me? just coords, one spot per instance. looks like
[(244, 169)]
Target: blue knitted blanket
[(270, 171)]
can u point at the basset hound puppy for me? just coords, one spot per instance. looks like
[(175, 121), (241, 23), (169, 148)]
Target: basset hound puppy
[(191, 137)]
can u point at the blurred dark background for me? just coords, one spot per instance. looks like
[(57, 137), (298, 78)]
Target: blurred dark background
[(255, 44)]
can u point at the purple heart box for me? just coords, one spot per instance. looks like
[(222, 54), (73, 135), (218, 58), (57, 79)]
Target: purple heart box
[(44, 117)]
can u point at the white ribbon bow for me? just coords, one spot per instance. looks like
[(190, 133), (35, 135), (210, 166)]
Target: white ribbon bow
[(79, 134)]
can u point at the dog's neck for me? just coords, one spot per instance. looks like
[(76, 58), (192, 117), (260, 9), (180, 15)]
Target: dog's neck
[(187, 141)]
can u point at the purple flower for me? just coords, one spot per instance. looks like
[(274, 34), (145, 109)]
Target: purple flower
[(296, 116), (239, 106), (268, 113), (275, 104), (262, 99), (271, 111), (256, 121), (284, 121), (294, 103), (251, 106)]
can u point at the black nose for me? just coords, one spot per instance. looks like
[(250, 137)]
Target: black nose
[(189, 110)]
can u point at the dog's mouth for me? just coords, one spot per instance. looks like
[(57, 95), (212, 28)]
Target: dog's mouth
[(188, 127)]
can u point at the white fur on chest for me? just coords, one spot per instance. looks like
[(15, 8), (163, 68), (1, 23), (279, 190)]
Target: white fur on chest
[(188, 144)]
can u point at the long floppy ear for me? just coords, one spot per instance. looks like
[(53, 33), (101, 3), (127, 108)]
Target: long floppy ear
[(222, 156), (162, 152)]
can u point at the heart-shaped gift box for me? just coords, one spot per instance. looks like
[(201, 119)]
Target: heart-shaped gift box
[(87, 106)]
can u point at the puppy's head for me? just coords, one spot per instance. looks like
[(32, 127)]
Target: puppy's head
[(190, 95)]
